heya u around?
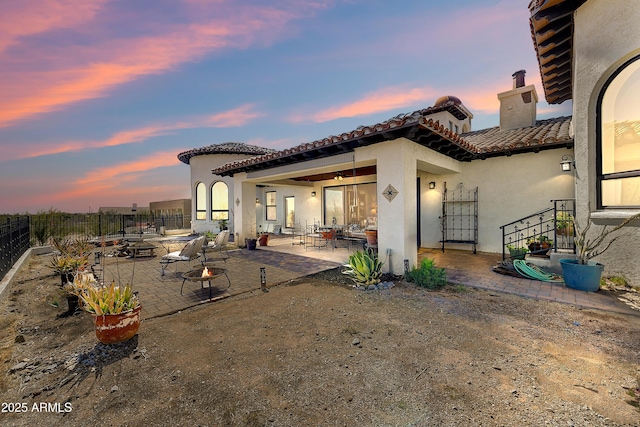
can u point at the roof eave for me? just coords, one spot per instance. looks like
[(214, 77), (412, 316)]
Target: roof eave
[(551, 24)]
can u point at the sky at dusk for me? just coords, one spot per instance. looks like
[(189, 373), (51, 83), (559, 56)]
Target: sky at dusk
[(98, 97)]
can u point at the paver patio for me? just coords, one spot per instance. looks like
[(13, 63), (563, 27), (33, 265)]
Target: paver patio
[(283, 262), (160, 295)]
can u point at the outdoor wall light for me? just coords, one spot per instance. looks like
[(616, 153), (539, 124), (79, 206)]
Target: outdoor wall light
[(257, 201), (567, 162), (313, 194), (338, 176), (432, 185)]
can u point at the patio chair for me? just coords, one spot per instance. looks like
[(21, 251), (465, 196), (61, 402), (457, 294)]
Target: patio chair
[(219, 245), (189, 252)]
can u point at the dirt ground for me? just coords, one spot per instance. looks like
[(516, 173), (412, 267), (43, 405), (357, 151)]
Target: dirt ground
[(315, 352)]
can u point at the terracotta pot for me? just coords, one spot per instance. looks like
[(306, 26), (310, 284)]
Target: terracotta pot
[(115, 328), (372, 237), (263, 240), (565, 231)]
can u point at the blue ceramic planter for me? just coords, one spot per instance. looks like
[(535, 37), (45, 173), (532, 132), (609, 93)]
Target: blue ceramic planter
[(581, 277)]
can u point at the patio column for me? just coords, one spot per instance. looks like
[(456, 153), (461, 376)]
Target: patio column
[(244, 208), (397, 222)]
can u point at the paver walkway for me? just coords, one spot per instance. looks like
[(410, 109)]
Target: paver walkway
[(465, 268)]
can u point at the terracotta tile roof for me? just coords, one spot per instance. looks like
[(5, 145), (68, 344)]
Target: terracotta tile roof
[(224, 148), (545, 133), (417, 127), (551, 25), (398, 126)]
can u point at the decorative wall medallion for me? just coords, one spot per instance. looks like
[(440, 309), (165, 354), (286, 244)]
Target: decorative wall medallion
[(237, 201), (390, 192)]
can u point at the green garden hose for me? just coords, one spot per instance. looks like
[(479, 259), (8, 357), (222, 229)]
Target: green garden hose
[(533, 272)]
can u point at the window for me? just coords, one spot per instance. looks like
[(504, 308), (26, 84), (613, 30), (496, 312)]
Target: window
[(353, 205), (290, 209), (219, 201), (271, 211), (201, 201), (618, 133)]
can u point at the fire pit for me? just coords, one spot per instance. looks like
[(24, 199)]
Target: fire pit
[(204, 274)]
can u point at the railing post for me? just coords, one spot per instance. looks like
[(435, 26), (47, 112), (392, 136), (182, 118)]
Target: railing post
[(555, 226)]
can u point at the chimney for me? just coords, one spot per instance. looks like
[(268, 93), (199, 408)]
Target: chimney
[(518, 79), (518, 105)]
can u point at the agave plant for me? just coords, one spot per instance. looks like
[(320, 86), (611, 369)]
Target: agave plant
[(364, 268), (73, 255), (106, 300), (61, 264)]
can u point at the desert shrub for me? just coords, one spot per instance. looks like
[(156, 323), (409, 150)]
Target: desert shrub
[(364, 268), (427, 275)]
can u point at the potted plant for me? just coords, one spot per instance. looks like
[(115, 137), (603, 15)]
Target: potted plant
[(372, 236), (564, 223), (582, 273), (517, 252), (115, 310), (263, 239), (72, 256), (251, 242), (539, 245), (73, 287), (61, 264)]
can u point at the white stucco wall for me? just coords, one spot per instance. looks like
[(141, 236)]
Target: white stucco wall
[(514, 112), (605, 36), (509, 188), (397, 164), (200, 167), (307, 208)]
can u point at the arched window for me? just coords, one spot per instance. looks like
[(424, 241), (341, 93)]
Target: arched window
[(219, 201), (201, 201), (618, 139)]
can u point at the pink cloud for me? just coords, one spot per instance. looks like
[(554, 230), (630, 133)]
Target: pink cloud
[(28, 17), (387, 99), (231, 118), (66, 74), (116, 177)]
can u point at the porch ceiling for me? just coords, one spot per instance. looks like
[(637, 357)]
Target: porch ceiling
[(346, 173)]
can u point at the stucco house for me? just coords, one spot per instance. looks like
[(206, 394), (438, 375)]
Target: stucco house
[(399, 175), (589, 52)]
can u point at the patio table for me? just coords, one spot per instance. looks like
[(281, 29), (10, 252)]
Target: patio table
[(137, 247)]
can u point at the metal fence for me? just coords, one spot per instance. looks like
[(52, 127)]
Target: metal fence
[(57, 225), (14, 241), (18, 233)]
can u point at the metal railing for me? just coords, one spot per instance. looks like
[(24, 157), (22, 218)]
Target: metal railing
[(536, 234), (14, 241)]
